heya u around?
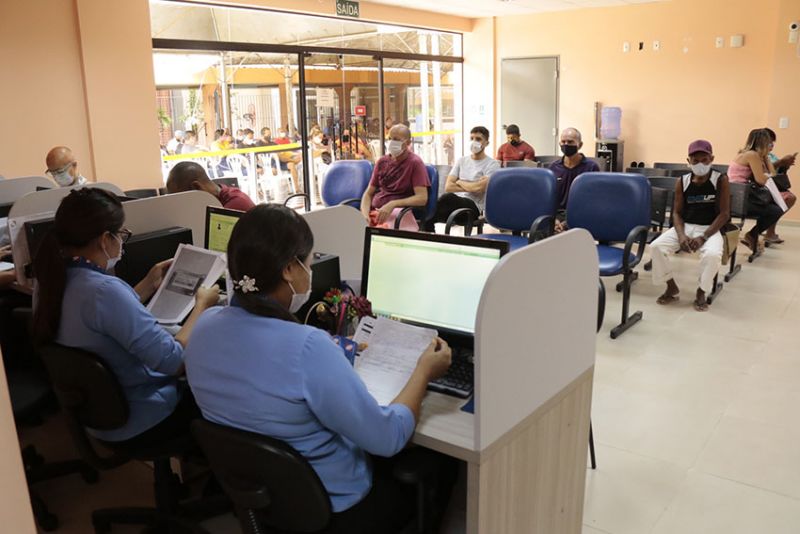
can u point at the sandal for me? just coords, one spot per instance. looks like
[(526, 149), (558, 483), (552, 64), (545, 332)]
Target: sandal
[(668, 299), (774, 240), (700, 306)]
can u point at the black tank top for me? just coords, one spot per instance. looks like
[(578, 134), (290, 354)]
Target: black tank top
[(700, 201)]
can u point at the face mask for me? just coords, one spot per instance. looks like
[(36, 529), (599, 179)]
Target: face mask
[(475, 147), (298, 299), (514, 142), (63, 178), (700, 169), (569, 150), (112, 262), (80, 180), (345, 139), (395, 148)]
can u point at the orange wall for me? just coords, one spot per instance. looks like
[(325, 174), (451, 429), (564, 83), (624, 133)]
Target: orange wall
[(42, 94)]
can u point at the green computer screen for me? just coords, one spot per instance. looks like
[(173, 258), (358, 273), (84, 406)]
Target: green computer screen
[(433, 283), (220, 227)]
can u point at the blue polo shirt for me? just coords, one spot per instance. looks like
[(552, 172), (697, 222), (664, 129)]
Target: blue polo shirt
[(565, 176), (291, 382), (102, 314)]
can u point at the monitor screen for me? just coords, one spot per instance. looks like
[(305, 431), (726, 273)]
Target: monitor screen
[(219, 225), (428, 279)]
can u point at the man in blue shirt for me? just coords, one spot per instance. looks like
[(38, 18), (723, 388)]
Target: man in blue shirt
[(569, 167)]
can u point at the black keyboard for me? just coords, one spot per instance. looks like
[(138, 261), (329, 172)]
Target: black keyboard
[(460, 378)]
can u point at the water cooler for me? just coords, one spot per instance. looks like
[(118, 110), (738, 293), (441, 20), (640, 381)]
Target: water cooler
[(612, 151)]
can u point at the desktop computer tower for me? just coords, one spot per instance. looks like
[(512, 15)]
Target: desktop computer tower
[(326, 276), (143, 251)]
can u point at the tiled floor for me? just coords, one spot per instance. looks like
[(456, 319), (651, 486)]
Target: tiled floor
[(694, 415)]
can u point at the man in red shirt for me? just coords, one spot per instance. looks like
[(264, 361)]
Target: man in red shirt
[(398, 180), (515, 149), (190, 176)]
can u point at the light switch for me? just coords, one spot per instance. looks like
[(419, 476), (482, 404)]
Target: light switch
[(720, 42), (783, 123), (737, 41), (626, 47)]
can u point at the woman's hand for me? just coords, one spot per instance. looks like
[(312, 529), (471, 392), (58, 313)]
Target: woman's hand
[(156, 275), (5, 251), (206, 297), (436, 359)]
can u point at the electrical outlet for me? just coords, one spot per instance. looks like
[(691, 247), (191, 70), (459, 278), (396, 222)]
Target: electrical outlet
[(737, 41), (656, 46), (720, 42), (783, 123)]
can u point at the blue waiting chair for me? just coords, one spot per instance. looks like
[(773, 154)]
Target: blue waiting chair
[(522, 200), (424, 215), (345, 182), (614, 208)]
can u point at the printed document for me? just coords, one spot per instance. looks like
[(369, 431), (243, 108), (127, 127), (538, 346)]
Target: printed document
[(391, 355), (192, 267)]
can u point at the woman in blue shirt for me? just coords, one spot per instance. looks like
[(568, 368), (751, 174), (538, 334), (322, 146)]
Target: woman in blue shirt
[(253, 367), (78, 304)]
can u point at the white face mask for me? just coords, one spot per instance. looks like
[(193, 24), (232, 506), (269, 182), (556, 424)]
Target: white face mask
[(112, 262), (63, 178), (700, 169), (298, 299), (475, 147), (395, 148)]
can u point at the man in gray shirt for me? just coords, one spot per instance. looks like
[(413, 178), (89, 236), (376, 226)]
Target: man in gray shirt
[(466, 184)]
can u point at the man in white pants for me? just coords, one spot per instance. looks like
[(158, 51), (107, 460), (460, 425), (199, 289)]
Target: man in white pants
[(701, 209)]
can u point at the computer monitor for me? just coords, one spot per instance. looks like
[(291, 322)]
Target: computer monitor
[(428, 279), (143, 251), (35, 232), (219, 225)]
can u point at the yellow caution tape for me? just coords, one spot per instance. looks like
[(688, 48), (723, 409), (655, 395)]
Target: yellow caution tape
[(257, 149), (441, 132)]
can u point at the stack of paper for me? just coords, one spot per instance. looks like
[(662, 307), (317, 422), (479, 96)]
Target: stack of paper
[(192, 267), (391, 356)]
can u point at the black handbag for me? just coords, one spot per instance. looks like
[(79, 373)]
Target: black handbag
[(759, 195), (782, 181)]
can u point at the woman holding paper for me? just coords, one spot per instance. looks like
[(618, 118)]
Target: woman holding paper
[(751, 166), (270, 375), (78, 304)]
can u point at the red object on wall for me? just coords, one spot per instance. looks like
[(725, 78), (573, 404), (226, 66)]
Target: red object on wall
[(361, 111)]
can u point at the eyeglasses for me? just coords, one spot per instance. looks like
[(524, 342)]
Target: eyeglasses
[(63, 169), (124, 234)]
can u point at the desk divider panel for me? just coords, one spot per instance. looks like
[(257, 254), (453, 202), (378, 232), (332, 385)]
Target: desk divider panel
[(339, 230), (180, 209), (13, 189), (535, 330), (44, 201)]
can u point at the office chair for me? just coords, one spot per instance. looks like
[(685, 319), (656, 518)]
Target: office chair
[(545, 161), (646, 171), (91, 396), (271, 485), (739, 194), (523, 163), (162, 191), (30, 395), (520, 200), (424, 215), (682, 167), (141, 193), (614, 208), (345, 183)]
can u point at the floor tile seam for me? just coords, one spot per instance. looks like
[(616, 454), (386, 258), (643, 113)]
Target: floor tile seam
[(748, 485)]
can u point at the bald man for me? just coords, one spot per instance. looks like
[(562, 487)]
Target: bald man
[(63, 167), (398, 180), (569, 167), (190, 176)]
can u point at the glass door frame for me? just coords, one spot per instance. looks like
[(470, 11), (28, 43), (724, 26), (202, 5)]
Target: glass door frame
[(302, 52)]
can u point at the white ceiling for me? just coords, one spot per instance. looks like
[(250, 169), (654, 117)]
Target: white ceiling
[(498, 8)]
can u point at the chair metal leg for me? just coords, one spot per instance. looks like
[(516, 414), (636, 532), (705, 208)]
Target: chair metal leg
[(633, 278), (627, 320), (716, 291), (734, 268), (591, 446)]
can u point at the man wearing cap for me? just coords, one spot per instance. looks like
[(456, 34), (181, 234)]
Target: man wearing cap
[(515, 149), (701, 209)]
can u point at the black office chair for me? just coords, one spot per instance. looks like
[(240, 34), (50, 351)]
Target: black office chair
[(91, 396), (141, 193), (271, 485), (739, 194), (31, 395)]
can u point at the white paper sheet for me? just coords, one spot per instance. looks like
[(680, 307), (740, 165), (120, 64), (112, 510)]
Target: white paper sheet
[(192, 268), (776, 195), (391, 356), (5, 266)]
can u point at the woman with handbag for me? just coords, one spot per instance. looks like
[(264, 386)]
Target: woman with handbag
[(751, 166)]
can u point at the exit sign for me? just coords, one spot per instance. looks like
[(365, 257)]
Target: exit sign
[(346, 8)]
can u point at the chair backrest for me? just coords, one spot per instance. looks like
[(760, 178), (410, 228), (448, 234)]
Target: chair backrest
[(722, 169), (262, 473), (433, 194), (230, 181), (443, 171), (659, 202), (545, 161), (517, 197), (524, 163), (671, 166), (86, 388), (346, 179), (141, 193), (739, 194), (609, 205), (663, 182), (647, 171)]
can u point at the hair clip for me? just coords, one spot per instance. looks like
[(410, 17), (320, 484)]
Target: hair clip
[(246, 284)]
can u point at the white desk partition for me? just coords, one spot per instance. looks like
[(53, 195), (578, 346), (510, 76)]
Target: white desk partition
[(13, 189), (181, 209), (536, 328), (340, 230), (44, 201)]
